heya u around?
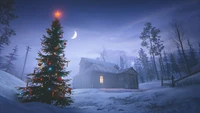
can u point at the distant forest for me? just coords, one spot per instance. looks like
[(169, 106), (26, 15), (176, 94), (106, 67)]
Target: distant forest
[(153, 63)]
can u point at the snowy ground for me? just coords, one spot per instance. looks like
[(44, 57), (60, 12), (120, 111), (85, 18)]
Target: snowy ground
[(150, 98), (8, 83), (159, 100)]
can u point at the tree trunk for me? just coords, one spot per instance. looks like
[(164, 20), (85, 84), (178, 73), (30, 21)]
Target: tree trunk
[(184, 56), (181, 44), (162, 69), (154, 62)]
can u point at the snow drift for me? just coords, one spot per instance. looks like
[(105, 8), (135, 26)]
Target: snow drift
[(8, 84)]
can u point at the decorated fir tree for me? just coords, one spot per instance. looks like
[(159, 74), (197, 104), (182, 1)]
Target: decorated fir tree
[(46, 83)]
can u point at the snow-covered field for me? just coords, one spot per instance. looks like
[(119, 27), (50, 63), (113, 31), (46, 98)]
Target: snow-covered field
[(150, 98)]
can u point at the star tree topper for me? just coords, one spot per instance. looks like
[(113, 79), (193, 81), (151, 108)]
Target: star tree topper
[(57, 14)]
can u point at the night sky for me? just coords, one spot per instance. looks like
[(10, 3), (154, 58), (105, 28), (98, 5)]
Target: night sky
[(113, 24)]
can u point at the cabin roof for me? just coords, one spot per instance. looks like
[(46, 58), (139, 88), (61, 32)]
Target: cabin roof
[(101, 66)]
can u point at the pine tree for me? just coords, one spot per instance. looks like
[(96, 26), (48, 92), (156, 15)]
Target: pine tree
[(148, 36), (7, 14), (138, 67), (158, 48), (192, 55), (47, 84), (151, 66), (8, 66), (145, 64)]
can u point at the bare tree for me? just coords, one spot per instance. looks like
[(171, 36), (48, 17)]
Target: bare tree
[(122, 63), (179, 37), (123, 60), (103, 55)]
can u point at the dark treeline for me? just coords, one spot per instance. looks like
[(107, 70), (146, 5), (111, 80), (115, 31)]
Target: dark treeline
[(157, 64), (7, 14)]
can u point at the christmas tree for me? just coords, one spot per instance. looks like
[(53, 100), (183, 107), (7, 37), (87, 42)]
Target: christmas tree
[(46, 83)]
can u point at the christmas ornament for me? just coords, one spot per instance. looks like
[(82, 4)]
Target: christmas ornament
[(41, 79), (30, 91), (61, 95), (60, 36), (41, 68), (69, 90), (49, 63), (65, 43), (56, 47), (49, 88), (50, 69), (39, 64), (34, 79), (48, 30), (52, 94), (59, 79)]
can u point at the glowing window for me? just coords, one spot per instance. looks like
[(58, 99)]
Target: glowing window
[(101, 79)]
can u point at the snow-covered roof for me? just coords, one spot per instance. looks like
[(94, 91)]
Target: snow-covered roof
[(102, 66), (97, 65)]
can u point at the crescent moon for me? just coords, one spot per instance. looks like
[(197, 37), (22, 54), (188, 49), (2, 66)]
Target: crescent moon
[(75, 35)]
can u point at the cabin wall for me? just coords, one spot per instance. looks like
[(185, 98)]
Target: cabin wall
[(127, 81), (82, 81), (92, 80)]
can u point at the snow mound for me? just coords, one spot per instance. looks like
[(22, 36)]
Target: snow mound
[(8, 106), (8, 84)]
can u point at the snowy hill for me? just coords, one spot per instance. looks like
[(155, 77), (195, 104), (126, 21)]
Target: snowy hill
[(8, 83), (189, 80)]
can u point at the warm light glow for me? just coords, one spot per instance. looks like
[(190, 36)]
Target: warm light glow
[(57, 14), (101, 79)]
